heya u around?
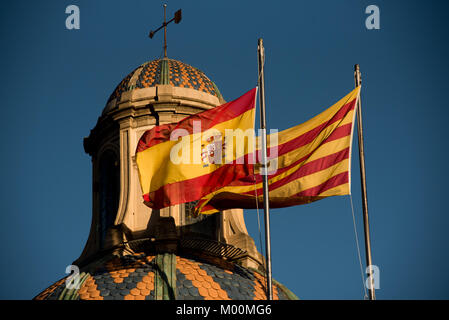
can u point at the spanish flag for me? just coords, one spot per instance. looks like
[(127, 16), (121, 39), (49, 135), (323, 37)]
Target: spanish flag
[(310, 162), (182, 162)]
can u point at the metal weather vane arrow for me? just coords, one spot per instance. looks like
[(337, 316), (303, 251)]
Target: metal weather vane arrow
[(177, 18)]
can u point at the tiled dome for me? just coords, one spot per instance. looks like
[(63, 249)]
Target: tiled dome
[(165, 71), (135, 277)]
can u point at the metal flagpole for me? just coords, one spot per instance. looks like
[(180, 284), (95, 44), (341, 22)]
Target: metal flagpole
[(358, 82), (264, 167)]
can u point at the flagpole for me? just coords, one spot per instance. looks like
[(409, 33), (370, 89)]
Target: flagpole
[(266, 205), (358, 82)]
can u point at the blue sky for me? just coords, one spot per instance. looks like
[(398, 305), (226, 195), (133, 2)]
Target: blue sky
[(55, 82)]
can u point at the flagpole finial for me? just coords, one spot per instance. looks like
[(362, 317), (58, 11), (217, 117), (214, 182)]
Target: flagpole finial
[(357, 75)]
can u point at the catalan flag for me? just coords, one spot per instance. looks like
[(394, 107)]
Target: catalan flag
[(313, 162), (184, 161)]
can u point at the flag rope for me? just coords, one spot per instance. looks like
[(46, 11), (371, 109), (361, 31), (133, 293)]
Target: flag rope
[(258, 77), (358, 248), (258, 224)]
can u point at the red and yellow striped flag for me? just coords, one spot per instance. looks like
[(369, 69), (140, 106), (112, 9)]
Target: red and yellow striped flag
[(313, 162), (184, 161)]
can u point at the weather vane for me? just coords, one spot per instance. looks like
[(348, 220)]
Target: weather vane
[(176, 19)]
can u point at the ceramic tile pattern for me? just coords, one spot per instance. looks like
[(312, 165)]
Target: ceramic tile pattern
[(149, 75), (123, 86), (180, 75), (183, 75), (52, 291), (132, 277)]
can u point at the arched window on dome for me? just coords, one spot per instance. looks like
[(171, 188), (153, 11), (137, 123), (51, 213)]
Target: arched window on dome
[(109, 189)]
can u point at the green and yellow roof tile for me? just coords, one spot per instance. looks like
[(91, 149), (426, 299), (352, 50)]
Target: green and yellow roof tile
[(166, 277), (166, 71)]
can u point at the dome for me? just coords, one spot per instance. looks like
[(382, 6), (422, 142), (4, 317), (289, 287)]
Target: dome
[(165, 71), (135, 277), (135, 253)]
